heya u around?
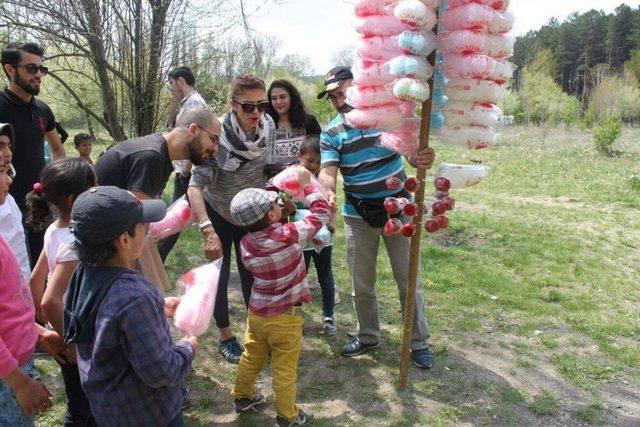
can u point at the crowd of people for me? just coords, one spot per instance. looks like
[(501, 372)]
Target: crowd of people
[(81, 280)]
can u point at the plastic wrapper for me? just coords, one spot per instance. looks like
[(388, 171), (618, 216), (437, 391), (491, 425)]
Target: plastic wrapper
[(501, 23), (370, 73), (322, 238), (386, 118), (471, 137), (499, 46), (411, 66), (472, 16), (364, 8), (381, 25), (287, 181), (499, 5), (480, 67), (195, 310), (411, 90), (405, 144), (462, 176), (378, 48), (461, 42), (467, 90), (417, 42), (370, 96), (467, 114), (414, 12), (177, 218)]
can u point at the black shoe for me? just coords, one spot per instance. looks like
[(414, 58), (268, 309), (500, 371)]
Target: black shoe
[(357, 347), (248, 405), (302, 419), (422, 358), (231, 350)]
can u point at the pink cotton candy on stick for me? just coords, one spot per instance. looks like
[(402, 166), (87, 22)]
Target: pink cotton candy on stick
[(385, 118), (498, 46), (501, 23), (461, 42), (468, 66), (370, 96), (499, 5), (468, 90), (177, 218), (381, 25), (471, 16), (471, 137), (370, 73), (501, 71), (404, 144), (193, 314), (364, 8), (287, 181), (467, 114), (378, 48)]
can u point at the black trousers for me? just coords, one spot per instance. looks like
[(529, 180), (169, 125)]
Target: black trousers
[(78, 412), (229, 235)]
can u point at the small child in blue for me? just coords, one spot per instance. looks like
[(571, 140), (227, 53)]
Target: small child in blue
[(309, 156)]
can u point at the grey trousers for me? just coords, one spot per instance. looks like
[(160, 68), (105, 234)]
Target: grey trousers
[(363, 242)]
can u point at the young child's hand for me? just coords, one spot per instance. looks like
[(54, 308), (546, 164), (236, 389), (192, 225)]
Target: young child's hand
[(193, 340), (289, 207), (51, 342), (33, 396), (170, 305), (304, 177)]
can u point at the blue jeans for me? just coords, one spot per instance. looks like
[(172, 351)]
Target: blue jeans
[(11, 413), (324, 270), (78, 412)]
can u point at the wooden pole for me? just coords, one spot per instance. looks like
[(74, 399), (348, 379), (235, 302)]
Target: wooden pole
[(414, 258)]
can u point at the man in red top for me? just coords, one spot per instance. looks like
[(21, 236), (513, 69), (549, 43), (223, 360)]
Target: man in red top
[(272, 251)]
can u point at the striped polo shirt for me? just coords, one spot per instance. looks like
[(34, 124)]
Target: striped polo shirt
[(364, 164)]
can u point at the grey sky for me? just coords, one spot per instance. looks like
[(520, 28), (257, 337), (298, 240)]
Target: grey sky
[(318, 28)]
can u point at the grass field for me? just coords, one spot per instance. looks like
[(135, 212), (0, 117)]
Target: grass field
[(533, 304)]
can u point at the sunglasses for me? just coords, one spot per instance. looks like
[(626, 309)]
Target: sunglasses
[(33, 68), (249, 107)]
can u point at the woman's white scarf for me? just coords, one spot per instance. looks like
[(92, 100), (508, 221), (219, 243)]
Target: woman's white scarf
[(236, 149)]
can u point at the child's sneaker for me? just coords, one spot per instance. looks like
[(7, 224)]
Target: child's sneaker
[(248, 405), (302, 419), (329, 326), (231, 350)]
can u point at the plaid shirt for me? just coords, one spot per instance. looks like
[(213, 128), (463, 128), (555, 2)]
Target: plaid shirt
[(132, 373), (274, 256)]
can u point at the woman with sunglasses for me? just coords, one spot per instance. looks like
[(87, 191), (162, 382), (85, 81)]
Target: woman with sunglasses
[(292, 121), (246, 146)]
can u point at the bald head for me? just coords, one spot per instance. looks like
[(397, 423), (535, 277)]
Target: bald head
[(200, 116)]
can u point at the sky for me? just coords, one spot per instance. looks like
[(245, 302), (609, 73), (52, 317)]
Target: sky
[(319, 28)]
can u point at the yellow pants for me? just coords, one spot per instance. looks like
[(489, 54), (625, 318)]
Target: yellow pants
[(282, 334)]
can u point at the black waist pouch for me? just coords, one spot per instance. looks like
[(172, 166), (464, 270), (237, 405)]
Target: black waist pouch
[(372, 210)]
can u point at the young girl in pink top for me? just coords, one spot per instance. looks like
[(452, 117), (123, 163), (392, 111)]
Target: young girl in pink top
[(21, 397), (61, 182)]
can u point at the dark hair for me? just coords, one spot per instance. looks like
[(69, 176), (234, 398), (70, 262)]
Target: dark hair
[(59, 180), (185, 73), (310, 143), (11, 53), (98, 254), (297, 111), (81, 137), (243, 82)]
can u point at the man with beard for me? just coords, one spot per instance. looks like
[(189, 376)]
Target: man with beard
[(365, 166), (143, 166), (32, 121)]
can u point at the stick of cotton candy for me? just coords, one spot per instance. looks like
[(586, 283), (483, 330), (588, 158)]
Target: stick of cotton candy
[(287, 181), (177, 218), (194, 312)]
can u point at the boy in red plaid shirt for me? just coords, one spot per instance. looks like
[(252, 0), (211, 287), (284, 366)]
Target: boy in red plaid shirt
[(272, 251)]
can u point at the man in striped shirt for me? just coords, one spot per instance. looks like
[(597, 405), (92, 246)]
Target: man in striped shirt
[(365, 166)]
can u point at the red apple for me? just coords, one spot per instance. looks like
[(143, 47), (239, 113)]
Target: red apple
[(411, 209), (438, 208), (393, 183), (431, 226), (450, 202), (441, 194), (291, 186), (442, 184), (391, 205), (412, 184), (443, 221), (392, 227), (409, 229)]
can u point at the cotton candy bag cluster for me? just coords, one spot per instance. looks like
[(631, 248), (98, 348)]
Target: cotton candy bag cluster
[(177, 218), (473, 44), (390, 77), (195, 310)]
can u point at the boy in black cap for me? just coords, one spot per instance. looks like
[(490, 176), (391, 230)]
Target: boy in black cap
[(130, 370)]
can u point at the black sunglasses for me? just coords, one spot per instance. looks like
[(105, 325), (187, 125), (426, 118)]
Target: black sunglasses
[(248, 107), (33, 68)]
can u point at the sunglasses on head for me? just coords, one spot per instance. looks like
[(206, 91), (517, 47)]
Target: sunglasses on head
[(33, 68), (249, 107)]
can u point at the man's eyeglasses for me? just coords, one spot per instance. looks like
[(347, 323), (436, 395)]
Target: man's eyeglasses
[(214, 138), (33, 68), (249, 107)]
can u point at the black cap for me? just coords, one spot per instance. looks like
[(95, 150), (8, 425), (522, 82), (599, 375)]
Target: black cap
[(7, 129), (101, 214), (335, 78)]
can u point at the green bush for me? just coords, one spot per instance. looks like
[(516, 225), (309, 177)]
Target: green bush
[(606, 134), (544, 101), (618, 97), (511, 105)]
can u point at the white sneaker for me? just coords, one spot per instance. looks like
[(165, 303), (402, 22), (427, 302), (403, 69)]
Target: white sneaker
[(329, 326)]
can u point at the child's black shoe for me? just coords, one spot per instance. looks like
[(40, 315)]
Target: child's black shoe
[(245, 405), (302, 419)]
